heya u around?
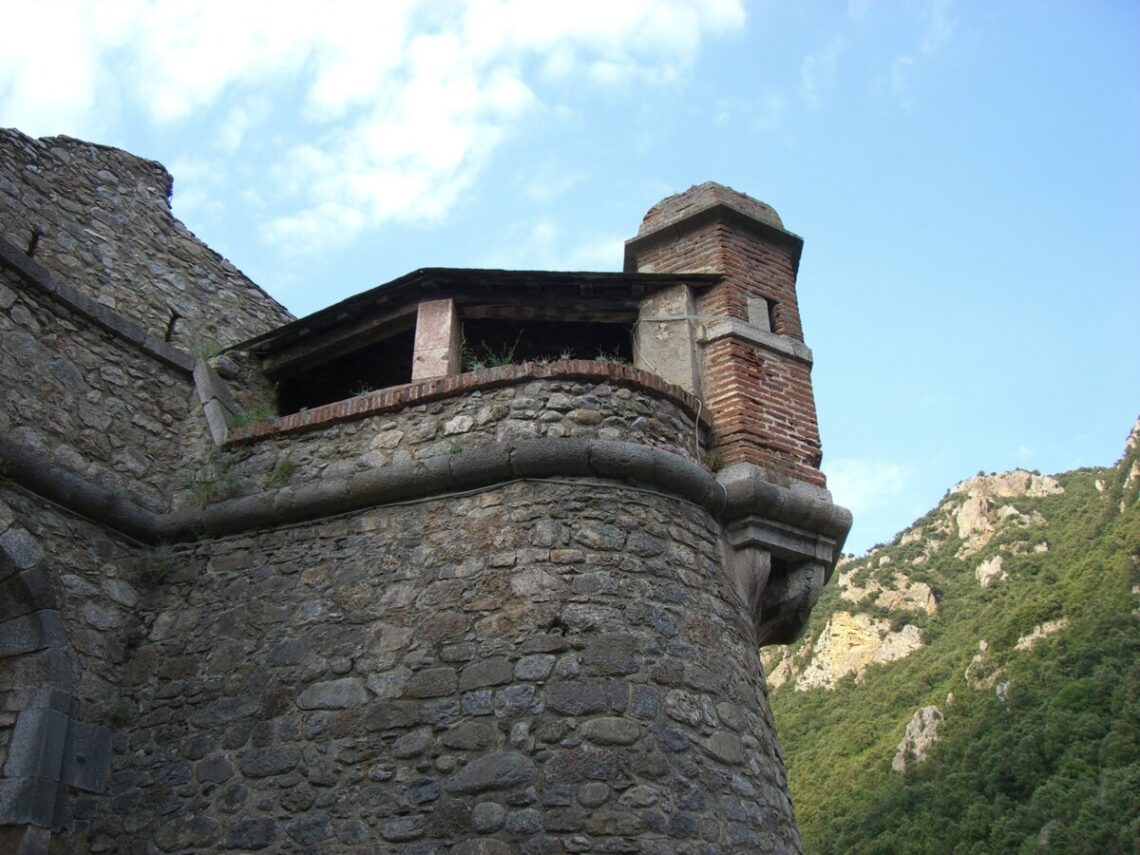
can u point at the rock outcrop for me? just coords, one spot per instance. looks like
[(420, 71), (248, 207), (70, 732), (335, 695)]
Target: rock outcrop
[(850, 643), (899, 594), (1042, 630), (921, 735)]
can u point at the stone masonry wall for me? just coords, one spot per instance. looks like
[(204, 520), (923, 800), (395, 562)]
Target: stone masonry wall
[(90, 402), (70, 610), (541, 667), (107, 230), (530, 409)]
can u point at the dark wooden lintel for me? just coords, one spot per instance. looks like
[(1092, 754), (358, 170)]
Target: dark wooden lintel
[(329, 346)]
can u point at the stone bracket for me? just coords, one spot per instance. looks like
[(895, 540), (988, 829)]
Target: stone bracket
[(779, 571)]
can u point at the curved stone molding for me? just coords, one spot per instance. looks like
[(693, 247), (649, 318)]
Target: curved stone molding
[(796, 525), (478, 468)]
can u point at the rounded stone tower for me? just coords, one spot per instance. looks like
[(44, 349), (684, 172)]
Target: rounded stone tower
[(511, 609)]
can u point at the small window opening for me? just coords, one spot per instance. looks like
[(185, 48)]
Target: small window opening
[(377, 366), (493, 341), (763, 313)]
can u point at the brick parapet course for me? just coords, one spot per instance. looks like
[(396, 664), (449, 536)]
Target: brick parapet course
[(484, 379)]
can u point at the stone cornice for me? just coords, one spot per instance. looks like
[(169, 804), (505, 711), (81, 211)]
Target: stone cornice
[(809, 512), (736, 328), (783, 540)]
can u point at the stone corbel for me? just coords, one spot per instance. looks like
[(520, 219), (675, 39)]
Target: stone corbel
[(782, 543), (779, 591)]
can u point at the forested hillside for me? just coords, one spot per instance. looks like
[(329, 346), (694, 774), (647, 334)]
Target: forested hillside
[(974, 686)]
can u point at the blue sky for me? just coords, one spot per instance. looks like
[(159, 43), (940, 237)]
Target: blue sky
[(966, 176)]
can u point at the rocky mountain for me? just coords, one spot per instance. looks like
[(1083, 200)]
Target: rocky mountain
[(974, 685)]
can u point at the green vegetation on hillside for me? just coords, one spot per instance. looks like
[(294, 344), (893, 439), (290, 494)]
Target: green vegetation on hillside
[(1039, 748)]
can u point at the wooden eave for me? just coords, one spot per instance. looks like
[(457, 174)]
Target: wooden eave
[(380, 312)]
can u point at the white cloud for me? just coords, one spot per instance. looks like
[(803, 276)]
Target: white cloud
[(817, 71), (938, 27), (401, 102), (542, 245), (866, 486), (877, 494)]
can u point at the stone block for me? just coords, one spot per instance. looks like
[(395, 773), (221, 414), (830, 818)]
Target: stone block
[(506, 770), (28, 633), (37, 746), (87, 758), (217, 420), (28, 801), (333, 695), (20, 548)]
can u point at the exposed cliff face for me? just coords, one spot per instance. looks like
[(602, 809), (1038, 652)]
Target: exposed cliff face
[(921, 735), (887, 580), (996, 634), (849, 644), (900, 593)]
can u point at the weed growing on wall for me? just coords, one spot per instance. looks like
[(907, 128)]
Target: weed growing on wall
[(215, 478), (484, 355), (282, 472)]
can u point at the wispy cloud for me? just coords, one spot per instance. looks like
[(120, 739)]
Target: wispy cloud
[(937, 29), (544, 245), (867, 485), (817, 72), (873, 490), (397, 105)]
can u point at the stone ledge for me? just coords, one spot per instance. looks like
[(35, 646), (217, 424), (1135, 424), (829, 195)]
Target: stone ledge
[(37, 275), (735, 328), (747, 493), (439, 388)]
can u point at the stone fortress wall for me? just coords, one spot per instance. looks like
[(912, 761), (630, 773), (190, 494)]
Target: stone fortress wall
[(87, 400), (99, 219), (517, 616)]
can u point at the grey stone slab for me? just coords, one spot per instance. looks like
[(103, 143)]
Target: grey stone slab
[(38, 745), (541, 457), (621, 460), (87, 759), (211, 387), (216, 420), (28, 633), (480, 466), (31, 801), (20, 548)]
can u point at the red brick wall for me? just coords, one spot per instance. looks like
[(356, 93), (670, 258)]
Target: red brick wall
[(760, 400), (762, 408)]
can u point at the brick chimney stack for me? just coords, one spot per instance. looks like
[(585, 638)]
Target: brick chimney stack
[(755, 371)]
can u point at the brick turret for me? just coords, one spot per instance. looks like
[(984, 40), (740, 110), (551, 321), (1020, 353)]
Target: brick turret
[(755, 371)]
